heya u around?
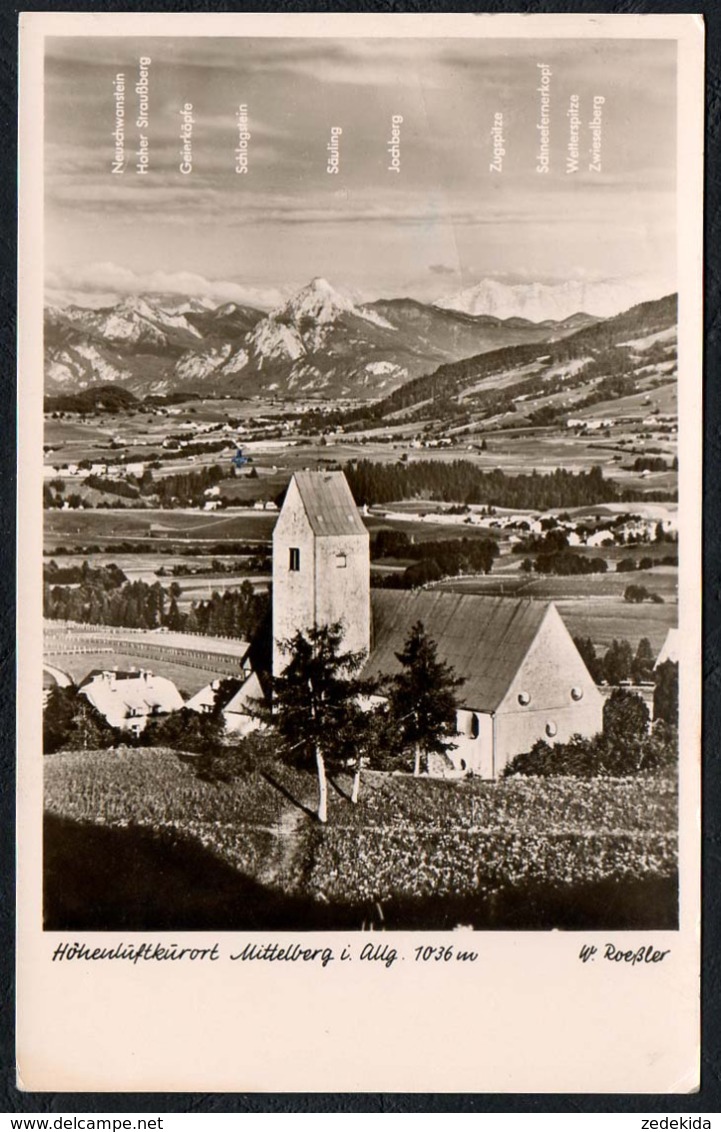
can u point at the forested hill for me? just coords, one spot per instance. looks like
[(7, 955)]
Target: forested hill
[(589, 343)]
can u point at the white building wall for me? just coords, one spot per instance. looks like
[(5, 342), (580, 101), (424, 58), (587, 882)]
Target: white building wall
[(342, 579), (237, 723), (551, 674), (474, 743), (293, 590)]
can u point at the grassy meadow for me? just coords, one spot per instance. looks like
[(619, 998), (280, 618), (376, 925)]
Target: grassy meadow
[(140, 839)]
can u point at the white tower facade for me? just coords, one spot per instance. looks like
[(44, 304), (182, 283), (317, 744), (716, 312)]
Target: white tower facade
[(321, 563)]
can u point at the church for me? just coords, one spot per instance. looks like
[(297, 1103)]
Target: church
[(524, 678)]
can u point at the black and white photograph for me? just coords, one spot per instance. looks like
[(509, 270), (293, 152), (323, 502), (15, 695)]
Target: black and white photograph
[(360, 452), (362, 443)]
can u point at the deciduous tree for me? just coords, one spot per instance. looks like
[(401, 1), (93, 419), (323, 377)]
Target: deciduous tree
[(71, 722)]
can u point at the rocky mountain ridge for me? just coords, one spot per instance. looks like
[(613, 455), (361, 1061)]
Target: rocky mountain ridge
[(320, 343)]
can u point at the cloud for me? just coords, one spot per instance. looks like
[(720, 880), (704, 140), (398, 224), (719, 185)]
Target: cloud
[(441, 269), (167, 204), (110, 279), (383, 61)]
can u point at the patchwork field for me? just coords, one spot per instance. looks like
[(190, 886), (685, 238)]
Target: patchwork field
[(592, 605), (72, 527), (617, 620), (137, 839), (514, 450)]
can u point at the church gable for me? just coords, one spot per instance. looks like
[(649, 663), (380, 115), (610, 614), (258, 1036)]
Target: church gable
[(293, 519), (552, 672), (552, 696)]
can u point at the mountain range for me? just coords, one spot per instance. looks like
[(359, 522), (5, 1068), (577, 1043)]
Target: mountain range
[(630, 354), (319, 343), (543, 302)]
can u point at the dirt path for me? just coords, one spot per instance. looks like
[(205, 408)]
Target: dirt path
[(284, 865)]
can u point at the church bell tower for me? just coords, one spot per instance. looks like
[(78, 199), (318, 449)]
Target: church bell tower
[(321, 563)]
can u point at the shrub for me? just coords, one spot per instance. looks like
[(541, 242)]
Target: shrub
[(71, 722), (186, 730), (665, 698), (635, 594), (238, 757), (604, 756), (625, 716)]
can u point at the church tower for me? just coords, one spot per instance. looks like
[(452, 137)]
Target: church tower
[(321, 563)]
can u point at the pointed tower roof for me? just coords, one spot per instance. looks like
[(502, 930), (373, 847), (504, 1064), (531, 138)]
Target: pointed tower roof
[(329, 503)]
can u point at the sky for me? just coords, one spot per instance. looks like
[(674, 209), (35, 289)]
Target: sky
[(444, 221)]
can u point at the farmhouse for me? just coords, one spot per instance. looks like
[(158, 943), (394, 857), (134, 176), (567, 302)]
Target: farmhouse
[(237, 701), (524, 678), (600, 538), (129, 699)]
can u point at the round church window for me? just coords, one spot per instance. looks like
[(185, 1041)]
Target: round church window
[(524, 698), (576, 693), (551, 729)]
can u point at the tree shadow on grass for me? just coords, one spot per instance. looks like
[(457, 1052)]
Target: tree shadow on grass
[(607, 905), (333, 781), (98, 878), (287, 794)]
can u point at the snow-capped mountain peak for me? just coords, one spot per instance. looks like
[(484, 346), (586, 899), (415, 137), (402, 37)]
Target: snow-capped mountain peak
[(318, 300), (305, 322), (134, 306), (173, 305), (320, 303), (543, 302), (319, 342)]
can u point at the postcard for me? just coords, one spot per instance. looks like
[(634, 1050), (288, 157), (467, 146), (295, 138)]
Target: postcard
[(359, 575)]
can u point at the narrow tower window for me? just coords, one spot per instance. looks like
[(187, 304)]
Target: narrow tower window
[(294, 563)]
